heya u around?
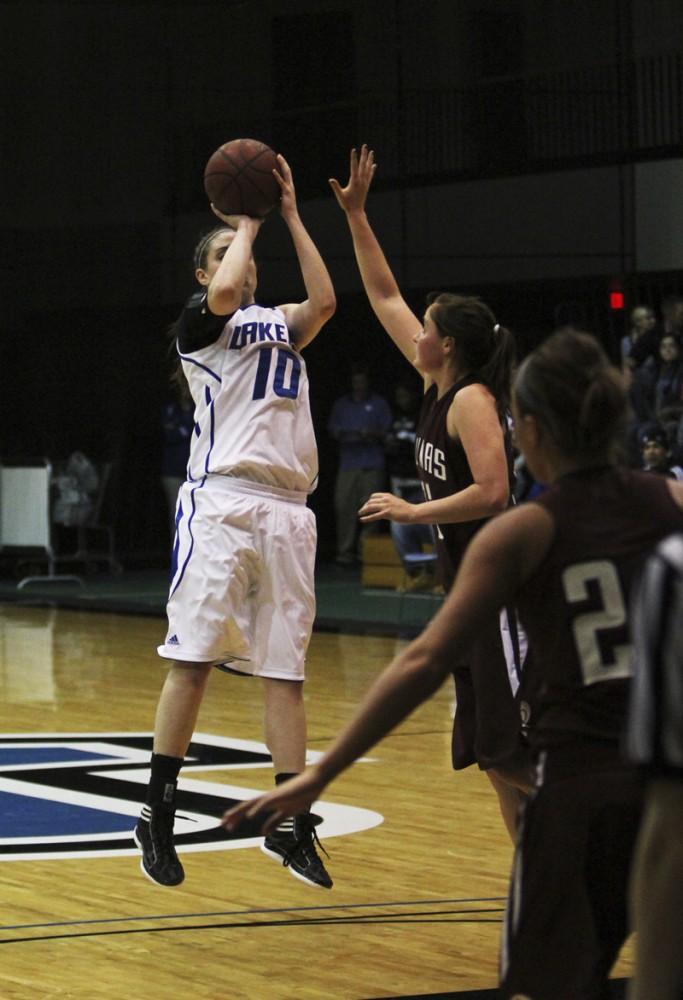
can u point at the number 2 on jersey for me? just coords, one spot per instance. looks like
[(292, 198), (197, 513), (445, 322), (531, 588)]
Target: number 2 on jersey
[(599, 661), (288, 366)]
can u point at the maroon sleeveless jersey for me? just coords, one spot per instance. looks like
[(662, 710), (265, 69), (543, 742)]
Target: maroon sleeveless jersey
[(575, 607), (443, 470)]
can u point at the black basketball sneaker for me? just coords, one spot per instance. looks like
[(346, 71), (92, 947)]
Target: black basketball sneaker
[(154, 836), (293, 843)]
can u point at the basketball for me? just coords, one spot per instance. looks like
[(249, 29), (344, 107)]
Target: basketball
[(238, 178)]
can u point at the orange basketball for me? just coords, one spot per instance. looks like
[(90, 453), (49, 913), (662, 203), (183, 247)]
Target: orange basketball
[(238, 178)]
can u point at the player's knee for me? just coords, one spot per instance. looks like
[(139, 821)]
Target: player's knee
[(189, 674), (283, 690)]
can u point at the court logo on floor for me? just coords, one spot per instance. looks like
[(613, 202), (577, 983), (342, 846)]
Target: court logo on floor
[(69, 795)]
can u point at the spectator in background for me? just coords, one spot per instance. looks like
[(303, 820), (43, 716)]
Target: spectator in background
[(656, 389), (409, 539), (177, 421), (668, 387), (645, 347), (77, 483), (656, 452), (359, 422), (643, 320)]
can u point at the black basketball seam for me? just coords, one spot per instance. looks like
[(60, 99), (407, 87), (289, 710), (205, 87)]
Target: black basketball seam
[(245, 163)]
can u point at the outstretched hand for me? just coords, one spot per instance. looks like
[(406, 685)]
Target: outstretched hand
[(289, 799), (287, 192), (361, 171), (386, 505)]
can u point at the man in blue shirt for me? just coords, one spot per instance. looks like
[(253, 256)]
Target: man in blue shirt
[(359, 422)]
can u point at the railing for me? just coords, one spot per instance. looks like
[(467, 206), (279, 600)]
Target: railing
[(605, 113)]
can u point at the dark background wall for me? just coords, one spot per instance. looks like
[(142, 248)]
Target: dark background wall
[(529, 151)]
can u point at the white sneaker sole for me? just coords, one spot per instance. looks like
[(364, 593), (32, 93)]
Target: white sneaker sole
[(302, 878), (162, 885)]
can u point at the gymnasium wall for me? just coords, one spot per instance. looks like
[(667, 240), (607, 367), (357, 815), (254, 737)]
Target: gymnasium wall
[(488, 181), (659, 215)]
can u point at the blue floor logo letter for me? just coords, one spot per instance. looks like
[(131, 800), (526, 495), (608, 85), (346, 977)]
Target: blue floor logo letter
[(69, 795)]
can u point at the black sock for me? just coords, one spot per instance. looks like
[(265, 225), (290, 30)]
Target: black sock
[(284, 776), (163, 780)]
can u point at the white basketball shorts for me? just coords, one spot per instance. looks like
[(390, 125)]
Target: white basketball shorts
[(242, 588)]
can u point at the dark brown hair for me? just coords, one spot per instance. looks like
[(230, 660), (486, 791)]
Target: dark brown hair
[(576, 394), (201, 251), (199, 259), (482, 347)]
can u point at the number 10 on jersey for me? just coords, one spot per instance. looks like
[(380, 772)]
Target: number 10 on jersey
[(285, 381)]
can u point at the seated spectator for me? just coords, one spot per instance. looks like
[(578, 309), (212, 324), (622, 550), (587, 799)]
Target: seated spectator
[(77, 483), (656, 387), (668, 387), (656, 452)]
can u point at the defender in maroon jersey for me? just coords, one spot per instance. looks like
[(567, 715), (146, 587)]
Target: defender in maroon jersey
[(464, 461)]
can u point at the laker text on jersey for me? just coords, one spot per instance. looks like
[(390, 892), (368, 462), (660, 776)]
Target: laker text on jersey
[(256, 333)]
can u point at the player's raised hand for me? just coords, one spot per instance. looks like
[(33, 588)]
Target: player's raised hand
[(238, 221), (286, 181), (288, 799), (361, 171)]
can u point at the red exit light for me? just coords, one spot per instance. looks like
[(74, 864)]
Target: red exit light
[(616, 300)]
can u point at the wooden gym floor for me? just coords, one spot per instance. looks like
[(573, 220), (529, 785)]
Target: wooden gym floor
[(419, 889)]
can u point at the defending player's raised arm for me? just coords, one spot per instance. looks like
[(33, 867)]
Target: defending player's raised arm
[(304, 319), (499, 559), (226, 288), (388, 304)]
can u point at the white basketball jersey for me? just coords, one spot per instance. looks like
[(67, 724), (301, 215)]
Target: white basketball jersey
[(252, 410)]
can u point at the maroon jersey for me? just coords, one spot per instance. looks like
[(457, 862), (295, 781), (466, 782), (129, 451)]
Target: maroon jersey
[(443, 470), (575, 608)]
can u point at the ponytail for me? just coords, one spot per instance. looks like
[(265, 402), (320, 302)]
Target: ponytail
[(497, 372)]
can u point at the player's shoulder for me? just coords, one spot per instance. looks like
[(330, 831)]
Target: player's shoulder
[(197, 327), (516, 541), (286, 309), (519, 526), (473, 397)]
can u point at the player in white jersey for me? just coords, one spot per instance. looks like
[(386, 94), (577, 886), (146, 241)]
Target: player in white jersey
[(242, 577)]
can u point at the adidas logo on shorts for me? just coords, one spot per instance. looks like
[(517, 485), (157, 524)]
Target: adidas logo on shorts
[(173, 641)]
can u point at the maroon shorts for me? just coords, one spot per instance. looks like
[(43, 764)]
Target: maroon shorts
[(487, 726), (567, 911)]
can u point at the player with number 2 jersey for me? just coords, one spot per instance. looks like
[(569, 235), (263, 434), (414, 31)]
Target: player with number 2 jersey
[(568, 560)]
